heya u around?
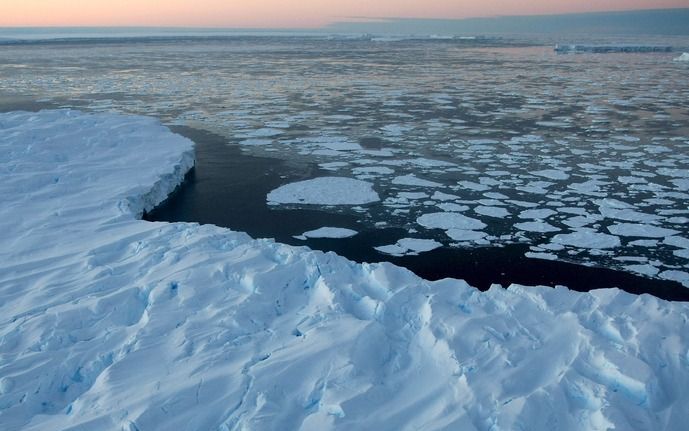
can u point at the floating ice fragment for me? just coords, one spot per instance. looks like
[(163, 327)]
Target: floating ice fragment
[(539, 255), (538, 214), (640, 230), (553, 174), (325, 191), (330, 232), (491, 211), (446, 220), (412, 180), (536, 226), (644, 269), (409, 246), (587, 239)]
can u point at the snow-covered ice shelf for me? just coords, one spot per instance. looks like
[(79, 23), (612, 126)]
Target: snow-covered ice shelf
[(108, 322)]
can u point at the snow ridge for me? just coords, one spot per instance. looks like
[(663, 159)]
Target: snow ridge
[(112, 323)]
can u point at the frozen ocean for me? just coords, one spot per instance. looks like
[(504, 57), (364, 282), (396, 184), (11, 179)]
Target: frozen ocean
[(495, 162), (465, 144)]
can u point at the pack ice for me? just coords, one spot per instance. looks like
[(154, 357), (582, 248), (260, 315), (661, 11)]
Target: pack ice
[(108, 322)]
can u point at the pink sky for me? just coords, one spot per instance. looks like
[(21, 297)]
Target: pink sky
[(283, 13)]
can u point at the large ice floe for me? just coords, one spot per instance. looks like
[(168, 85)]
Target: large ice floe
[(108, 322)]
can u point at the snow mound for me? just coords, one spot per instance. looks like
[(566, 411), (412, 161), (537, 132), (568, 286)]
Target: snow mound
[(108, 322), (325, 191)]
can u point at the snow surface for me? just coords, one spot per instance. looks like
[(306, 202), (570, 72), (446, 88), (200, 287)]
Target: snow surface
[(325, 191), (108, 322)]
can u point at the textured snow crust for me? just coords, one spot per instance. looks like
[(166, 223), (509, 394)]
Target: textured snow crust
[(108, 322)]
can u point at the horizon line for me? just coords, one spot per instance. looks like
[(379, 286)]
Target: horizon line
[(348, 20)]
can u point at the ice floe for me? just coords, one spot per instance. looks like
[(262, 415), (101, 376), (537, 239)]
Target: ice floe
[(409, 246), (325, 191), (587, 239), (329, 232), (449, 220), (640, 230)]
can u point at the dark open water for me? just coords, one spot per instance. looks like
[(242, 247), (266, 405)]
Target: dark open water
[(228, 188)]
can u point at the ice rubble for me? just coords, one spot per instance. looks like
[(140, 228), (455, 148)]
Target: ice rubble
[(683, 57), (108, 322)]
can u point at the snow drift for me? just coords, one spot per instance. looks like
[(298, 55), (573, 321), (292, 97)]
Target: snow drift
[(108, 322)]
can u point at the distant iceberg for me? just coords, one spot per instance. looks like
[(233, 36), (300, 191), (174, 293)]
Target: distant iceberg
[(604, 49), (684, 57)]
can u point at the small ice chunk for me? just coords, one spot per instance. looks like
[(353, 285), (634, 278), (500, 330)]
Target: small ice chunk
[(644, 243), (324, 191), (376, 170), (409, 246), (330, 232), (412, 180), (465, 235), (677, 241), (491, 211), (440, 196), (538, 214), (683, 58), (644, 269), (587, 239), (452, 207), (553, 174), (470, 185), (264, 132), (448, 220), (675, 275), (536, 226), (539, 255), (256, 142), (640, 230)]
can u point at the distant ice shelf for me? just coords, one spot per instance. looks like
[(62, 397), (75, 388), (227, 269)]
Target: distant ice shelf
[(602, 49), (108, 322)]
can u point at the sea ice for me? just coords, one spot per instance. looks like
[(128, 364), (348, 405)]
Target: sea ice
[(536, 226), (324, 191), (414, 181), (330, 232), (449, 220), (492, 211), (538, 214), (683, 58), (553, 174), (409, 246), (640, 230), (587, 239)]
